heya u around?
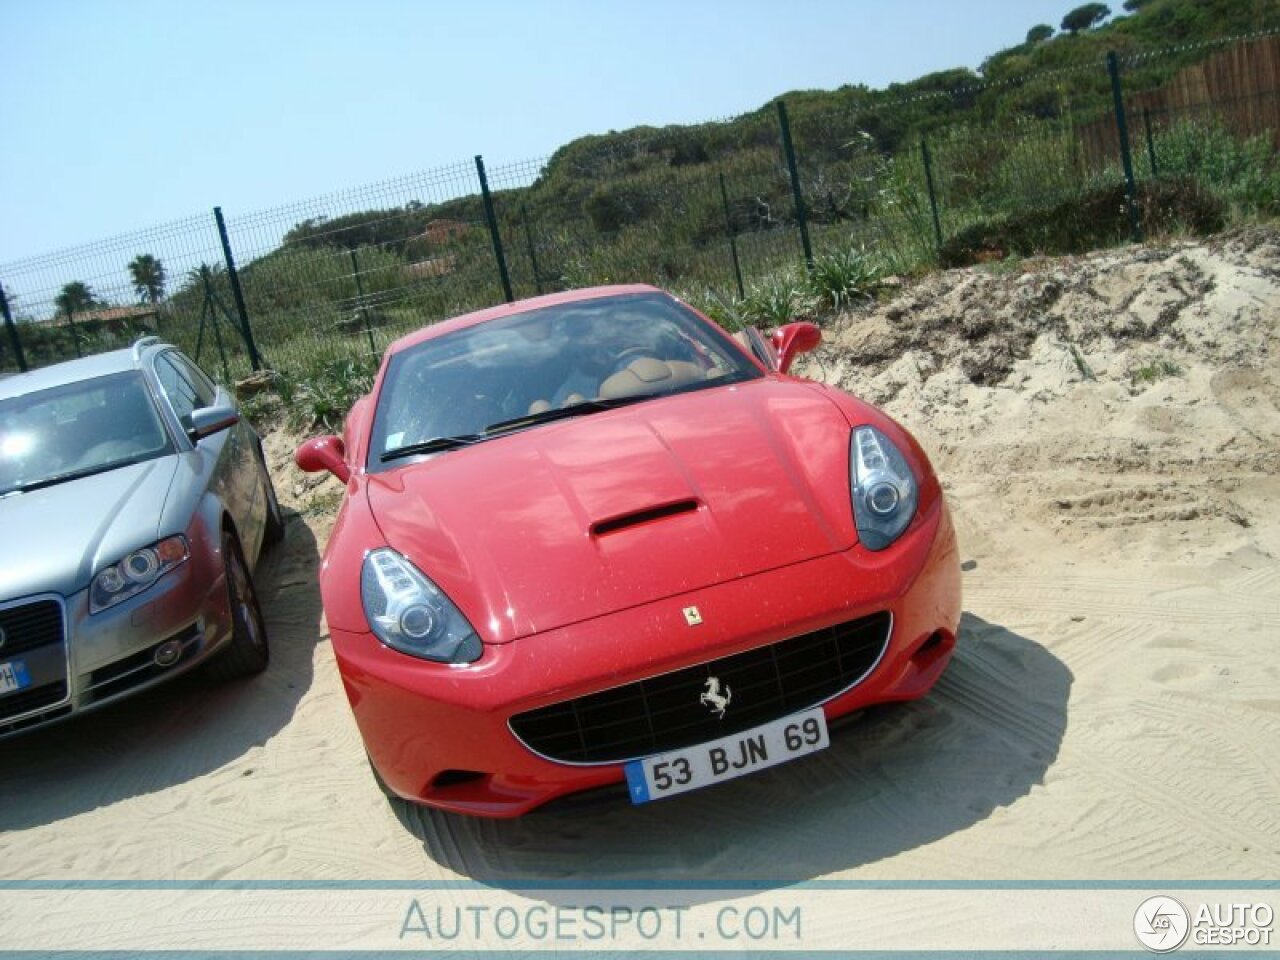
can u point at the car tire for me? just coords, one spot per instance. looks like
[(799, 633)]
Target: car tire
[(248, 652), (273, 532)]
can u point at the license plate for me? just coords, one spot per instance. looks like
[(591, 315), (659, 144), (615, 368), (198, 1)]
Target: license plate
[(680, 771), (13, 676)]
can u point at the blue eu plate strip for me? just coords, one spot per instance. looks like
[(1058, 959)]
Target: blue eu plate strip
[(636, 784)]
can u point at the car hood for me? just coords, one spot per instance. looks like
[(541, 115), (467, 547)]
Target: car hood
[(57, 537), (587, 516)]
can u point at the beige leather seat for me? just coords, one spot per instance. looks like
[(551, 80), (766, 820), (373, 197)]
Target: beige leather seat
[(650, 375), (542, 406), (642, 375)]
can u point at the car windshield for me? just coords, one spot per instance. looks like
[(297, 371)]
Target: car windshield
[(573, 359), (77, 429)]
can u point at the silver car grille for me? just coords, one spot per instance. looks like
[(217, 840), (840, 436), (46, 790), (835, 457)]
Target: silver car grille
[(34, 632)]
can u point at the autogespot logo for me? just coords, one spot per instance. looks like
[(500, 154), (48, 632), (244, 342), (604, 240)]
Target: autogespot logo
[(1161, 924)]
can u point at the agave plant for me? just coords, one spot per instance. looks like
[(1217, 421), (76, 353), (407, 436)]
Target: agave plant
[(777, 299), (844, 275)]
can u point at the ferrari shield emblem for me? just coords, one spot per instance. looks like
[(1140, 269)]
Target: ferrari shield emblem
[(692, 617)]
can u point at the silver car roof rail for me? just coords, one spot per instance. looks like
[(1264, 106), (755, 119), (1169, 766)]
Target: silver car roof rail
[(142, 344)]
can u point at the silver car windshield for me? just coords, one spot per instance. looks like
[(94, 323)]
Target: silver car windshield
[(78, 429), (520, 371)]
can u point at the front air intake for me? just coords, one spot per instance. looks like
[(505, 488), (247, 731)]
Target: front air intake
[(668, 712)]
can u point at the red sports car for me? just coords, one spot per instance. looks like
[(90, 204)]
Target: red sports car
[(591, 537)]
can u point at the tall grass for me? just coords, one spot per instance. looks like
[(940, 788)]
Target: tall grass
[(1243, 173)]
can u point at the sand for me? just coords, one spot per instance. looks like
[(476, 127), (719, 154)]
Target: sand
[(1108, 431)]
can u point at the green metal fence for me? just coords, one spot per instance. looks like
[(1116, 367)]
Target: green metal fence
[(709, 211)]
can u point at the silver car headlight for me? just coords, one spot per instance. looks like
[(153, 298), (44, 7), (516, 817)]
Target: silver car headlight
[(409, 613), (136, 572), (884, 489)]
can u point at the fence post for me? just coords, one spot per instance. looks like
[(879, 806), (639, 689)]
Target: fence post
[(533, 256), (12, 329), (237, 294), (796, 192), (494, 235), (364, 310), (75, 332), (1151, 144), (733, 240), (933, 194), (1130, 188)]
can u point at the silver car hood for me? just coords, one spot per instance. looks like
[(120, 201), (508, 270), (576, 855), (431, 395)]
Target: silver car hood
[(54, 539)]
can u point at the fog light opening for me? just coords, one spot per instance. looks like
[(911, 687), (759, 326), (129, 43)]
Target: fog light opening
[(167, 654), (935, 640), (934, 646), (454, 778)]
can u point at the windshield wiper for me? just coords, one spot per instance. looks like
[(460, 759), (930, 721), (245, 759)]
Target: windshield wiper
[(58, 478), (434, 445), (561, 413)]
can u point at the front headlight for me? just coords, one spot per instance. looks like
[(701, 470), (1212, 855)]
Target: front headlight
[(409, 613), (884, 489), (136, 572)]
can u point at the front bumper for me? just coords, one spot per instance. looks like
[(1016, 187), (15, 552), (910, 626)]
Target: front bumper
[(100, 658), (439, 734)]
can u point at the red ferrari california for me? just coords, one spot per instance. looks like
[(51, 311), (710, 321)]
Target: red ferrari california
[(591, 538)]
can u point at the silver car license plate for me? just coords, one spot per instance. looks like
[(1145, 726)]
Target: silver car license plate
[(666, 774), (13, 676)]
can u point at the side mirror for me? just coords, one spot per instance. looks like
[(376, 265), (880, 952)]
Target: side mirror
[(793, 339), (219, 415), (324, 453)]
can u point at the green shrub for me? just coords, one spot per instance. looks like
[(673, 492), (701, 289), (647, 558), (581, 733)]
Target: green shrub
[(1244, 173), (777, 299), (842, 276), (1157, 369), (1098, 218), (323, 394)]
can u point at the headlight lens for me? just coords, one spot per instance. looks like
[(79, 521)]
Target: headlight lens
[(884, 489), (136, 572), (409, 613)]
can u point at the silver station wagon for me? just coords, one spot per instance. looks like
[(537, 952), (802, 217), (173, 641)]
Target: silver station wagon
[(134, 504)]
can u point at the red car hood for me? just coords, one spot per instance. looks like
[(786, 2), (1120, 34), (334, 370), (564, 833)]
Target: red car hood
[(750, 477)]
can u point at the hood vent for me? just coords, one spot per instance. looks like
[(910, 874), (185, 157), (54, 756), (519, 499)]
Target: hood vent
[(638, 517)]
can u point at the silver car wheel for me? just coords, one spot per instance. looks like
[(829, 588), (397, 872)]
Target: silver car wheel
[(248, 652)]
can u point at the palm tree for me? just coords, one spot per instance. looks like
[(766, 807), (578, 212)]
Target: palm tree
[(76, 297), (148, 278)]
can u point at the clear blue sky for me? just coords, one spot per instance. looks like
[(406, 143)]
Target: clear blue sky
[(119, 114)]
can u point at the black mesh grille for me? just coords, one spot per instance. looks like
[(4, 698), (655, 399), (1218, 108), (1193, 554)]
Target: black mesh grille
[(36, 720), (33, 698), (666, 712), (29, 626)]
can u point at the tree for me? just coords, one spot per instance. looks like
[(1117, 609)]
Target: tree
[(1133, 6), (1039, 33), (148, 278), (1082, 18), (75, 297)]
